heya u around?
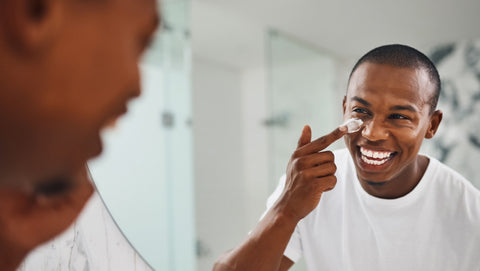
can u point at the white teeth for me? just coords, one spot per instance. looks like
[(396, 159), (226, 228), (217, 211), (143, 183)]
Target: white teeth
[(384, 155), (374, 162)]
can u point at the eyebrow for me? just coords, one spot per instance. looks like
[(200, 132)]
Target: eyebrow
[(403, 107), (360, 100), (393, 108)]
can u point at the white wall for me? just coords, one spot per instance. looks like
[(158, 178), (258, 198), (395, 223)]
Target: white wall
[(255, 140), (218, 157)]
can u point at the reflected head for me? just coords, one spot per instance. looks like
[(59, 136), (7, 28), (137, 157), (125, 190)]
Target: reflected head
[(68, 68)]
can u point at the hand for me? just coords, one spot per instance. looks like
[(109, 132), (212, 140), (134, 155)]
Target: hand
[(310, 172)]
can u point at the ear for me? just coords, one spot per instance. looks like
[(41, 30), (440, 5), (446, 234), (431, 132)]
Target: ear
[(30, 25), (435, 120), (344, 103)]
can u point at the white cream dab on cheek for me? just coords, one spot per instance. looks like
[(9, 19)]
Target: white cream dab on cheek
[(353, 125)]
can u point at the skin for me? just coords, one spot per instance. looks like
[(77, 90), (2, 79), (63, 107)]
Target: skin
[(67, 70), (394, 105), (27, 220), (69, 67)]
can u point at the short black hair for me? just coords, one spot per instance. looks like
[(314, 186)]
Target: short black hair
[(403, 56)]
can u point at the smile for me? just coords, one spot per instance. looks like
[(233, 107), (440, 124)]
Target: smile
[(376, 158)]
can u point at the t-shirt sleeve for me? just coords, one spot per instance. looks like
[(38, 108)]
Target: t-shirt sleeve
[(294, 247)]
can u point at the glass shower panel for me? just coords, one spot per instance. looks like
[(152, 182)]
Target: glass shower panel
[(177, 122), (301, 91)]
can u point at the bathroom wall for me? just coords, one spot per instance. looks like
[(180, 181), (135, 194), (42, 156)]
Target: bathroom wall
[(220, 194), (457, 142)]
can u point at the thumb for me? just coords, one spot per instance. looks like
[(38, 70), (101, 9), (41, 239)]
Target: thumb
[(306, 136)]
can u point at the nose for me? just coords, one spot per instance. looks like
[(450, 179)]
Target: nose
[(374, 130)]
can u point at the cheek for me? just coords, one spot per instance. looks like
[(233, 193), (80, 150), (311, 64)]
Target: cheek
[(351, 114), (111, 74), (410, 140), (350, 140)]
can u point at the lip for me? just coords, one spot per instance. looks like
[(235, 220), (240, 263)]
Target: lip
[(374, 159), (113, 118)]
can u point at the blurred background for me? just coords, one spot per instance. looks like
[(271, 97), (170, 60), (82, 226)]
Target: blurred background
[(228, 86)]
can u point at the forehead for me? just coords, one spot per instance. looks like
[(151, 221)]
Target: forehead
[(390, 84)]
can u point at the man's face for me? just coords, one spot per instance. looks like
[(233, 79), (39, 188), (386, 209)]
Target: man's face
[(394, 105), (55, 99)]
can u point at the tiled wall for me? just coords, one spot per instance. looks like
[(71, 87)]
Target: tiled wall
[(457, 142)]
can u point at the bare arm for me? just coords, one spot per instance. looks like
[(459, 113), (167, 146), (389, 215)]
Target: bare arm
[(310, 172), (264, 248)]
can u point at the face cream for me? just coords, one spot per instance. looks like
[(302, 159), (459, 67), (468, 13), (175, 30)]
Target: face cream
[(352, 125)]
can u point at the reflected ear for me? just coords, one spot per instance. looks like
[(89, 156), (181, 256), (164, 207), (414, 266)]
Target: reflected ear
[(32, 24), (435, 120), (344, 103)]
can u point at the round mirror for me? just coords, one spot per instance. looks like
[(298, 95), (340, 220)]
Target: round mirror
[(256, 69), (144, 174)]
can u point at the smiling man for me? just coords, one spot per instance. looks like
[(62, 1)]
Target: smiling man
[(389, 208), (67, 69)]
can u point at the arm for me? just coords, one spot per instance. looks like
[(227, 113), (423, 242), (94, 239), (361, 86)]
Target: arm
[(310, 172), (264, 248)]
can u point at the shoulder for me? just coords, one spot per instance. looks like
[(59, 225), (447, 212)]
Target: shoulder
[(451, 179), (456, 190)]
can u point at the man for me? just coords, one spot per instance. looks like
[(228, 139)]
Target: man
[(68, 68), (389, 207)]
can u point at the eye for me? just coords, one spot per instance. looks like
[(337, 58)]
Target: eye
[(399, 117), (360, 110)]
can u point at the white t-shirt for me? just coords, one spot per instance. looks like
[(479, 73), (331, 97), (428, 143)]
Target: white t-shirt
[(434, 227)]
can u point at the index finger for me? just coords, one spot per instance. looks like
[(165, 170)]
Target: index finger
[(321, 143)]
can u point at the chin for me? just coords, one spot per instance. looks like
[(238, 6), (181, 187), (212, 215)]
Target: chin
[(96, 146), (372, 179), (91, 147), (377, 184)]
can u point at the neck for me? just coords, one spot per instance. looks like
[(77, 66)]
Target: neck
[(402, 184), (11, 258)]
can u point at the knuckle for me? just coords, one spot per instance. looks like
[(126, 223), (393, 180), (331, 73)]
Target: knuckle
[(328, 169), (333, 167), (322, 141), (327, 183), (303, 174), (300, 174), (329, 155), (296, 154), (296, 163), (331, 179), (300, 163)]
